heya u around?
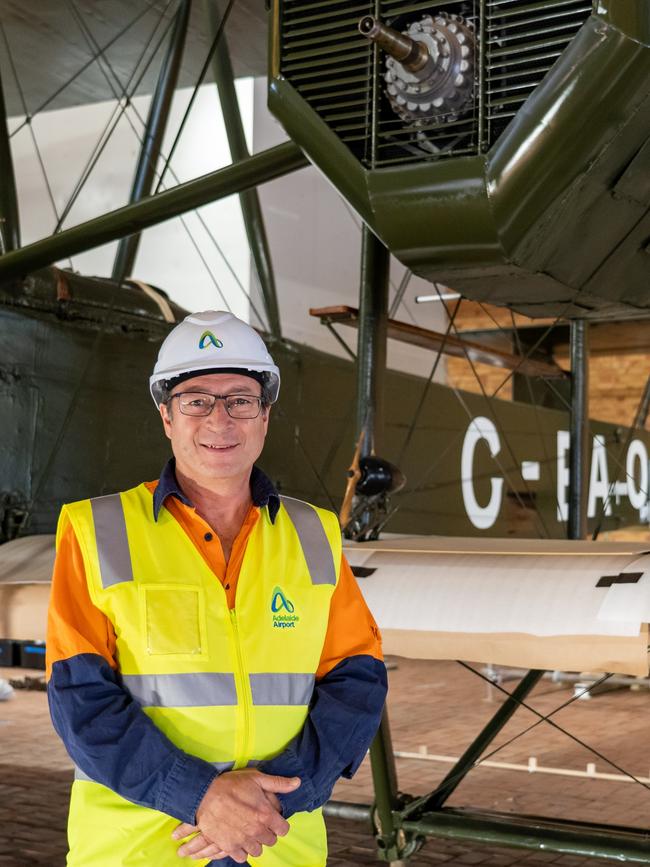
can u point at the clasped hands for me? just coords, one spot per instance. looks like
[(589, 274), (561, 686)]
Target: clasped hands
[(238, 815)]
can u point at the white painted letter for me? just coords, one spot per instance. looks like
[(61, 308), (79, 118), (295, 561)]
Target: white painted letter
[(638, 494), (599, 478), (480, 428), (563, 444)]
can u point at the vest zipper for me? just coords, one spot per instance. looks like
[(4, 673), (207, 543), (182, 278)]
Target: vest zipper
[(242, 682)]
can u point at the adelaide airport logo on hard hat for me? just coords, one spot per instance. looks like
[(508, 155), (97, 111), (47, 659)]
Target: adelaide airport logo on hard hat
[(283, 610), (208, 338)]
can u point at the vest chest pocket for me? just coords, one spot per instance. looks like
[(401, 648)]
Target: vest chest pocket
[(174, 620)]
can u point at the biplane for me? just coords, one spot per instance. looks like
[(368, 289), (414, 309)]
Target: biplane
[(497, 148)]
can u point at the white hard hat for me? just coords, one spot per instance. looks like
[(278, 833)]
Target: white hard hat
[(210, 341)]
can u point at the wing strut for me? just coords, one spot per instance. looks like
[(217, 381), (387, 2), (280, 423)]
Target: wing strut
[(153, 135)]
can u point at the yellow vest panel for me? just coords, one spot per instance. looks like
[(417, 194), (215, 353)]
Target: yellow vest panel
[(229, 686)]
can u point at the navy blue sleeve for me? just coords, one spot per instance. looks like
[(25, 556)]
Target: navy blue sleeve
[(344, 714), (112, 740)]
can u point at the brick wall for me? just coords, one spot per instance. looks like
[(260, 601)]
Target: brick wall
[(618, 369)]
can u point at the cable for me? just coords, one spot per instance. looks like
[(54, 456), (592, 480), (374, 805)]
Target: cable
[(425, 390), (105, 136), (297, 439), (413, 806), (151, 4), (533, 402), (84, 373), (39, 156), (559, 728), (184, 223), (119, 110), (202, 74)]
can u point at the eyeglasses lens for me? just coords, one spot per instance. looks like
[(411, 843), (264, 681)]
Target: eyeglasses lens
[(237, 405)]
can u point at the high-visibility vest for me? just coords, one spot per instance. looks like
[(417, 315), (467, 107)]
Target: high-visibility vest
[(229, 686)]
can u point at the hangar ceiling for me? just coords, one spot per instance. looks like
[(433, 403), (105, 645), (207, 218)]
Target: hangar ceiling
[(48, 46)]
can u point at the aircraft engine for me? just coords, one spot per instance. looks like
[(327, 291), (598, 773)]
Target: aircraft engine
[(429, 70), (500, 147)]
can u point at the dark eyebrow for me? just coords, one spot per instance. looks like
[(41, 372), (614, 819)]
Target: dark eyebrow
[(242, 391), (239, 390)]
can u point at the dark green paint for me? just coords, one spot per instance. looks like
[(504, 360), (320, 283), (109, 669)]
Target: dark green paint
[(579, 431), (384, 780), (9, 219), (258, 169), (613, 843), (371, 343), (474, 751), (153, 135), (555, 218), (588, 840), (249, 199), (112, 438)]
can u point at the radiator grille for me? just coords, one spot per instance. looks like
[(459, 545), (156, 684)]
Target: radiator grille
[(330, 64), (522, 42), (340, 74)]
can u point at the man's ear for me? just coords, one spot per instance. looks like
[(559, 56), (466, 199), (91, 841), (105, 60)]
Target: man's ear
[(166, 417)]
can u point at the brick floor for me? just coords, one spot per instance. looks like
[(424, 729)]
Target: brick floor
[(439, 706)]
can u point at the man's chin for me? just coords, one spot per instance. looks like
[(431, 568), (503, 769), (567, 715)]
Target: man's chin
[(222, 465)]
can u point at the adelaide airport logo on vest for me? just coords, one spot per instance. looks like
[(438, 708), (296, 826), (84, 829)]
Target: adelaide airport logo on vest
[(282, 610), (208, 338)]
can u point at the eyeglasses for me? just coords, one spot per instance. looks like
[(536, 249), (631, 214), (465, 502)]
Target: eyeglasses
[(198, 403)]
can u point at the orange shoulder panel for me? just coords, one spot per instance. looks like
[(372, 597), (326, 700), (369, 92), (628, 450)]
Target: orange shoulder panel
[(74, 624), (351, 630)]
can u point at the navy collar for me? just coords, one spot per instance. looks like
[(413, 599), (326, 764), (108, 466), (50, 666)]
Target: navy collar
[(263, 491)]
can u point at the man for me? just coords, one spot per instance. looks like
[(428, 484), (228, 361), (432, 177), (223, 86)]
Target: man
[(211, 660)]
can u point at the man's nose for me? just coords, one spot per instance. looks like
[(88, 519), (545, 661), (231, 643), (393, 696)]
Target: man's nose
[(219, 415)]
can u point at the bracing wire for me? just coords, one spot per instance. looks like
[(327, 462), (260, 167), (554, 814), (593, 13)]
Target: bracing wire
[(454, 778), (542, 718), (150, 4), (202, 74), (530, 394), (440, 457), (606, 501), (119, 110), (30, 125), (497, 460), (532, 349), (580, 693), (502, 432), (184, 223), (400, 292), (425, 390), (312, 466), (92, 353)]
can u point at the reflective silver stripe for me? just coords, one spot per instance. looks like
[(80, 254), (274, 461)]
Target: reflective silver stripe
[(182, 690), (314, 542), (80, 775), (282, 689), (112, 541), (222, 767)]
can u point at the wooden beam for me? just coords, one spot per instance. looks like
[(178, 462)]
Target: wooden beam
[(450, 345)]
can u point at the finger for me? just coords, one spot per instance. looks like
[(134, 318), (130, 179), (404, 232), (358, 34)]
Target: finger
[(271, 783), (211, 851), (273, 801), (238, 855), (183, 830), (253, 847), (261, 833), (278, 825), (194, 845)]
